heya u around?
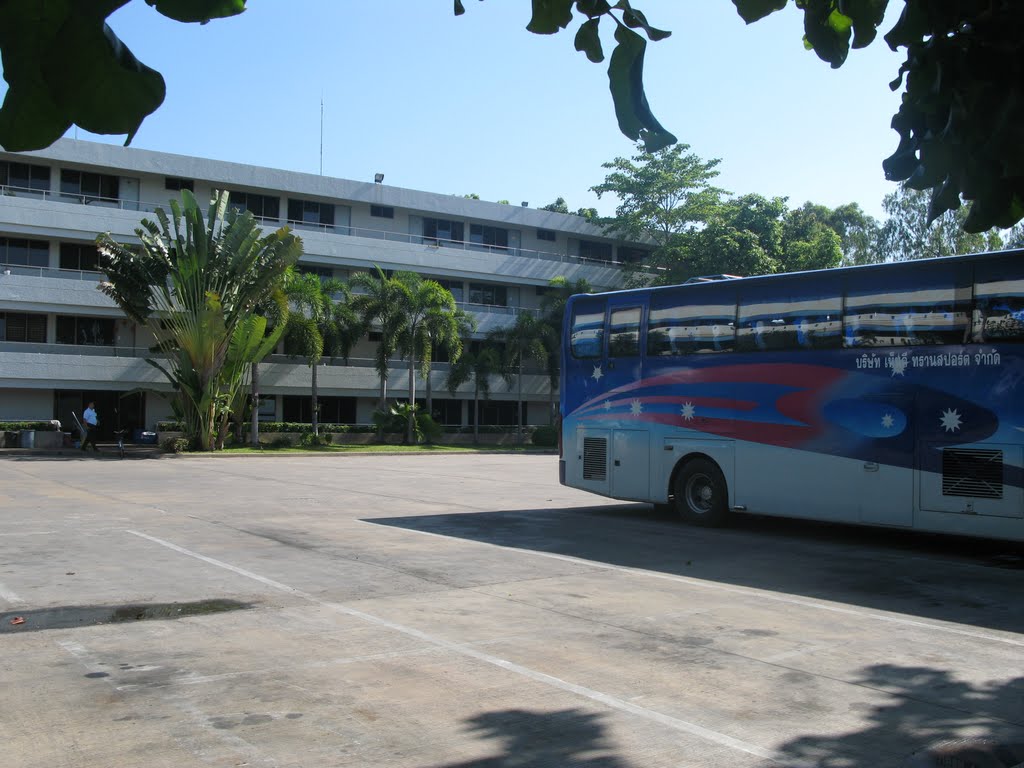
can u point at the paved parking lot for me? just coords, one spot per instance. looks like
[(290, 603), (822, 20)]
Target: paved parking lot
[(467, 611)]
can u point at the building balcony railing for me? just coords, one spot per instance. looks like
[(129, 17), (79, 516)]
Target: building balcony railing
[(88, 350), (68, 274), (336, 229)]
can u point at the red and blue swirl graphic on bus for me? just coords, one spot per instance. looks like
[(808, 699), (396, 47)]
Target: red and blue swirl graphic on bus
[(820, 408)]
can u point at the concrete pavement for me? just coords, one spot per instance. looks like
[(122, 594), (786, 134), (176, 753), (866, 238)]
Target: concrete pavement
[(466, 610)]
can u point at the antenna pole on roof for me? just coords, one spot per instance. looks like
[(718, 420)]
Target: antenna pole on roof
[(321, 133)]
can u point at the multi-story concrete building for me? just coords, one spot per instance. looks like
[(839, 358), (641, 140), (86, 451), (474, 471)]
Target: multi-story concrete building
[(62, 342)]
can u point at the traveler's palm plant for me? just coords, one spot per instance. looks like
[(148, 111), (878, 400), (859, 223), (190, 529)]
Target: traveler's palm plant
[(195, 284)]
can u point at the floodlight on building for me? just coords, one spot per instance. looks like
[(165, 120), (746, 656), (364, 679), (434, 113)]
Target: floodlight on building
[(378, 178)]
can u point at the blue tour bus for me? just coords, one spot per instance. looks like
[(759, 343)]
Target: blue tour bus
[(889, 394)]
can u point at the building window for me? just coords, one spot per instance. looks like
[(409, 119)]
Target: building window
[(485, 235), (443, 230), (25, 176), (382, 211), (310, 212), (23, 327), (456, 287), (81, 256), (19, 252), (595, 251), (89, 186), (496, 413), (546, 234), (85, 331), (260, 206), (485, 293), (176, 185), (333, 410), (324, 273)]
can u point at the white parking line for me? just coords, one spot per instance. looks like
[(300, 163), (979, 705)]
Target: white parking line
[(608, 700), (9, 596), (758, 594)]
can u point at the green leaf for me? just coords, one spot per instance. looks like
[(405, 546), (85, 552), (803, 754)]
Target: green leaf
[(626, 81), (65, 66), (593, 8), (634, 19), (99, 83), (198, 10), (589, 41), (754, 10), (549, 16)]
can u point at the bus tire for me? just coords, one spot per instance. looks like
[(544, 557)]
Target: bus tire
[(701, 495)]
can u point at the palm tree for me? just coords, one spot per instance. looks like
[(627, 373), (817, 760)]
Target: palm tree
[(446, 331), (319, 326), (553, 311), (379, 305), (478, 361), (522, 340), (426, 304), (195, 284)]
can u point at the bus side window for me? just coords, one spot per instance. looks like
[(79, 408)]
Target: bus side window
[(586, 339), (692, 320), (913, 308), (624, 332), (789, 314), (998, 301)]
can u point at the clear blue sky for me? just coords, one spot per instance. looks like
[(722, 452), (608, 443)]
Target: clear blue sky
[(477, 104)]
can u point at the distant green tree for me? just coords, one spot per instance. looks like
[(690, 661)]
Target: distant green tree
[(907, 233), (661, 195), (808, 240), (445, 332), (559, 206)]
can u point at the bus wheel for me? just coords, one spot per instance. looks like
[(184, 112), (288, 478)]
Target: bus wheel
[(700, 494)]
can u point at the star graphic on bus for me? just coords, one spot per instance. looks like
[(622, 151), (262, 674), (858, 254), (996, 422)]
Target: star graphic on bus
[(688, 411), (899, 365), (888, 421), (597, 374), (950, 420), (607, 405), (636, 407)]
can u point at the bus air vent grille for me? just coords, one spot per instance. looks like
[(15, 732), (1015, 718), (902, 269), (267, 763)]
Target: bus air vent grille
[(595, 458), (972, 472)]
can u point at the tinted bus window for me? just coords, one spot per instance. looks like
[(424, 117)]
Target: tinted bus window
[(586, 337), (790, 314), (624, 332), (692, 320), (999, 300), (909, 306)]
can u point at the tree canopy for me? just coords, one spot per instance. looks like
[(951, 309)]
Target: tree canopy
[(958, 124)]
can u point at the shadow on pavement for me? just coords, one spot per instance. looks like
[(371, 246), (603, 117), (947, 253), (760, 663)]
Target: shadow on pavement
[(945, 578), (926, 707), (570, 738)]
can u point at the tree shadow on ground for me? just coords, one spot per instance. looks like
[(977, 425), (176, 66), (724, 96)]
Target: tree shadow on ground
[(915, 709), (937, 577), (570, 738)]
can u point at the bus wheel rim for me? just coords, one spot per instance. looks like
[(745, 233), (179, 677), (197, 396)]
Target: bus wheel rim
[(699, 493)]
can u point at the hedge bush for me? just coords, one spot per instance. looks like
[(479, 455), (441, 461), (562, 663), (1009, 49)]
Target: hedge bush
[(545, 436), (19, 426)]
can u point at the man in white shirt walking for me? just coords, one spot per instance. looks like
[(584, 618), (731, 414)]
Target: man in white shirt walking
[(90, 421)]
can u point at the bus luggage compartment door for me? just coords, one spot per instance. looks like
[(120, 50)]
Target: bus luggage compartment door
[(631, 464)]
